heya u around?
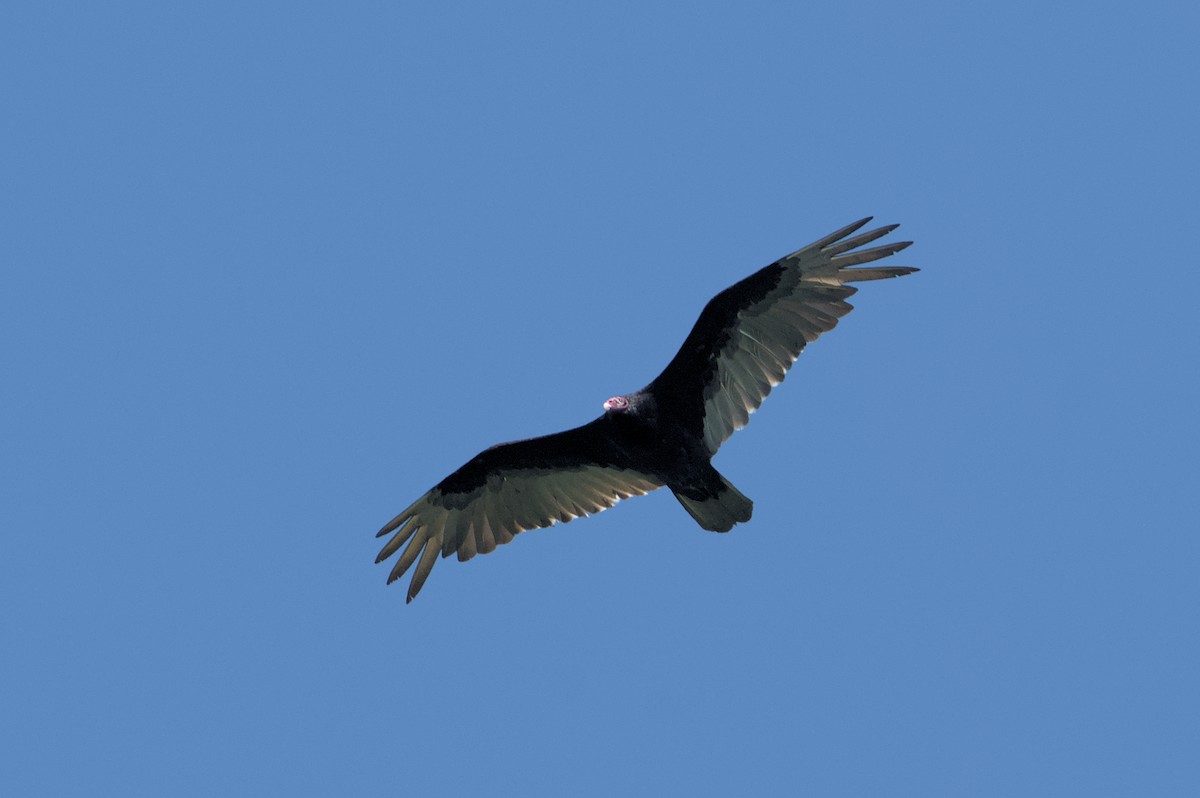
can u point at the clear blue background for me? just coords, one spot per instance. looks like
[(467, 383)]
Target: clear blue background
[(271, 271)]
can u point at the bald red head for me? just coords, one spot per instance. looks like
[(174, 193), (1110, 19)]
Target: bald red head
[(617, 403)]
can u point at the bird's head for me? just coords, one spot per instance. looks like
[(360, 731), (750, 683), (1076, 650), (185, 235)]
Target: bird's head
[(617, 404)]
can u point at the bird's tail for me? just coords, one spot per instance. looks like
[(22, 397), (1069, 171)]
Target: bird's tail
[(718, 511)]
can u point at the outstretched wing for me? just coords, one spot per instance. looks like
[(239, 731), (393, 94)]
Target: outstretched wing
[(749, 335), (511, 488)]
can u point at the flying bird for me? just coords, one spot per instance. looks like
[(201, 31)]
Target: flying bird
[(666, 434)]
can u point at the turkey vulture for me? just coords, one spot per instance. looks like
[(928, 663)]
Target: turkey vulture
[(665, 434)]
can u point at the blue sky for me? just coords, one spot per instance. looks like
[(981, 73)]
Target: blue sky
[(271, 271)]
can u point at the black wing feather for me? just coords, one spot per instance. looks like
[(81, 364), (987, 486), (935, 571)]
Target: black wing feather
[(511, 488), (748, 335)]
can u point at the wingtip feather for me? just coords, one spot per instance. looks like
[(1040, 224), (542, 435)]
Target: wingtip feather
[(875, 273), (859, 240), (390, 526), (838, 235), (429, 558), (867, 255), (395, 523)]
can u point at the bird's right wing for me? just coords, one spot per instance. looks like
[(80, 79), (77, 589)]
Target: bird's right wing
[(749, 335), (509, 489)]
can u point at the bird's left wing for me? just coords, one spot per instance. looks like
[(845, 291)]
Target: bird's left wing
[(509, 489), (749, 335)]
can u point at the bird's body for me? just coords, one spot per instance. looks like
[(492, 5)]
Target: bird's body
[(663, 435)]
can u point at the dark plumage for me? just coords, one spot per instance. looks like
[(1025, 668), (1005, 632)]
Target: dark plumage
[(665, 434)]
